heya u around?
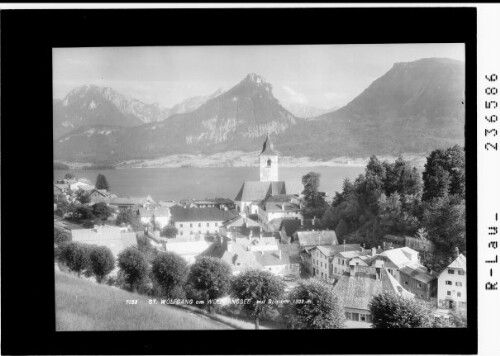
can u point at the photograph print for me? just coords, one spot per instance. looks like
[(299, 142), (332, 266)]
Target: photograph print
[(259, 187)]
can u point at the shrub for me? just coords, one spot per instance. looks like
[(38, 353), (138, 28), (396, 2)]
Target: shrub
[(102, 262), (133, 266), (169, 271), (75, 256)]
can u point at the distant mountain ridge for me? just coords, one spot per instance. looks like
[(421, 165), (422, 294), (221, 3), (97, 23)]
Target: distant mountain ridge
[(414, 107)]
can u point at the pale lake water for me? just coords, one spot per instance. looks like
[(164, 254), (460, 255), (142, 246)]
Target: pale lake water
[(180, 183)]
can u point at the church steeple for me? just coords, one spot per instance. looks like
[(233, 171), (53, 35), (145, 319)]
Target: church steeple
[(268, 162)]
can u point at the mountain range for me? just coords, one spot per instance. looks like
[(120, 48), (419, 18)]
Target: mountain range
[(413, 108)]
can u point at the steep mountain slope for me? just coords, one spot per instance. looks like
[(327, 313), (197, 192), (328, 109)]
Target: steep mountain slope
[(93, 105), (191, 104), (415, 107), (305, 111), (238, 118)]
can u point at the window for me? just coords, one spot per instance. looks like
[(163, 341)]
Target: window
[(448, 283), (461, 273), (199, 224), (343, 262), (338, 260), (190, 225), (451, 271), (355, 316), (348, 315), (448, 293), (419, 285), (459, 294), (208, 224), (182, 233), (406, 283), (321, 274), (269, 163), (458, 284), (181, 225), (363, 317)]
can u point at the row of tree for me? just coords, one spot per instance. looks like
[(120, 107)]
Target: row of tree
[(395, 198)]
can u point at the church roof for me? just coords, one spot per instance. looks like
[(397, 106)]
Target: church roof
[(258, 191), (267, 147)]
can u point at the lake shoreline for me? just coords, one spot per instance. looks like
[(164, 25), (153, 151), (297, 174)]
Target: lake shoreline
[(248, 159)]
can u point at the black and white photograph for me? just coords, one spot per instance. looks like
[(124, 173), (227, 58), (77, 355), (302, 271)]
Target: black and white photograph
[(285, 186)]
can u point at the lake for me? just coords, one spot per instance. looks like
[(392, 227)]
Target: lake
[(179, 183)]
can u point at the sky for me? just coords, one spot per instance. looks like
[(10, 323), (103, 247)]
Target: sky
[(322, 76)]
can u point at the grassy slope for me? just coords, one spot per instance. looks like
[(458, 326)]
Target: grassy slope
[(83, 305)]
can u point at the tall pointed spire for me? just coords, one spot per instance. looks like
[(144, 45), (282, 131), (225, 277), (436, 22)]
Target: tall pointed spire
[(268, 147)]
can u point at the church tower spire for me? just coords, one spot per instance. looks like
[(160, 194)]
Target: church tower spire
[(268, 162)]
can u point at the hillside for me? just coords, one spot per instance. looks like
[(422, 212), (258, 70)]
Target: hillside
[(414, 108), (83, 305)]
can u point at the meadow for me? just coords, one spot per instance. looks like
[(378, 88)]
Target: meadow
[(83, 305)]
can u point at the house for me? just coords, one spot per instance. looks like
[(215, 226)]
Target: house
[(255, 252), (219, 203), (134, 203), (198, 221), (291, 226), (112, 237), (161, 215), (396, 258), (359, 287), (346, 255), (252, 193), (83, 184), (241, 226), (452, 284), (278, 206), (419, 280), (310, 239), (101, 196)]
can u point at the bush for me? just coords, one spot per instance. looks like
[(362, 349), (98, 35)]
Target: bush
[(169, 270), (323, 312), (75, 256), (211, 277), (101, 211), (391, 311), (102, 262), (133, 266), (169, 231)]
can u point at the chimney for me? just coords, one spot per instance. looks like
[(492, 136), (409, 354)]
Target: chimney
[(383, 244), (456, 252), (301, 221), (374, 251), (313, 220), (279, 254), (362, 249)]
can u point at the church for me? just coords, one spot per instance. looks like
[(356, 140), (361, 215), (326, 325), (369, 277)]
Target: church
[(252, 193)]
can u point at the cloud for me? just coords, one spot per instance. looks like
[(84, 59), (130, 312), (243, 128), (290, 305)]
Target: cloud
[(294, 95)]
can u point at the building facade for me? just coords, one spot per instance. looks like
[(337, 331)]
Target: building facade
[(452, 285)]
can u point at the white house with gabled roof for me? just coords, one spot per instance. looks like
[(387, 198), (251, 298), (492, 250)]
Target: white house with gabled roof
[(452, 284)]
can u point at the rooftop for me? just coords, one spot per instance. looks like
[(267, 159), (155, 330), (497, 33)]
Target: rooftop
[(460, 263), (418, 272), (316, 238), (258, 191), (268, 147), (180, 214)]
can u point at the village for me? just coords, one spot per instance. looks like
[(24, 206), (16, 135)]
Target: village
[(264, 228)]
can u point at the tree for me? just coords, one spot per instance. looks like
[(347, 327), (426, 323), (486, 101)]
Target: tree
[(69, 176), (128, 217), (169, 271), (83, 197), (102, 262), (444, 173), (134, 267), (83, 212), (211, 277), (391, 311), (260, 289), (101, 182), (322, 310), (102, 211), (169, 231), (76, 256), (444, 219), (315, 205)]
